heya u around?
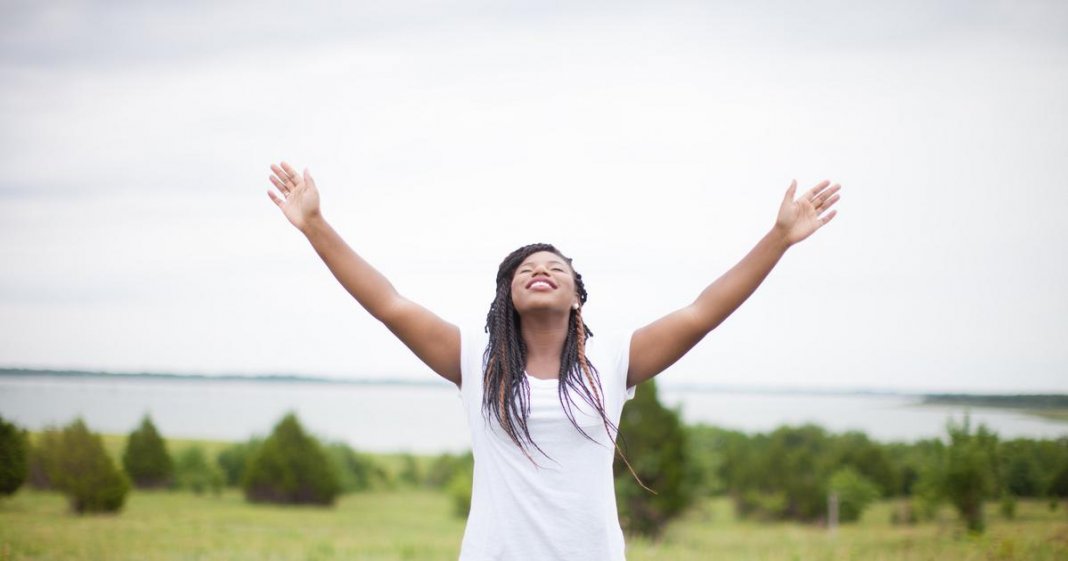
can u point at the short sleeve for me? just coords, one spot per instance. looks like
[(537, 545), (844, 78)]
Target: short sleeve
[(473, 343)]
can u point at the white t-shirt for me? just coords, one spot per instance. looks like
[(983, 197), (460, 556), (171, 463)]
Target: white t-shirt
[(563, 508)]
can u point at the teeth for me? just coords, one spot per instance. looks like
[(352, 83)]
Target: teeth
[(540, 283)]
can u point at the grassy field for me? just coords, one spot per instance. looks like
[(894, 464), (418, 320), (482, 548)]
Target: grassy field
[(418, 525)]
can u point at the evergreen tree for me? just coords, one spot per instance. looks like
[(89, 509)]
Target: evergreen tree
[(145, 459), (79, 467), (13, 460), (291, 467), (654, 442)]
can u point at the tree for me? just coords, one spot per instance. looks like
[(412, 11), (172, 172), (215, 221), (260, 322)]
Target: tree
[(971, 474), (13, 460), (967, 473), (78, 465), (291, 467), (145, 459), (855, 493), (655, 445)]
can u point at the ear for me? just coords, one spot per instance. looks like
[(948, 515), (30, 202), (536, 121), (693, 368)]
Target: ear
[(575, 305)]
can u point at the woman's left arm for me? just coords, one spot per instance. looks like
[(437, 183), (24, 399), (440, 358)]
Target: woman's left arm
[(658, 345)]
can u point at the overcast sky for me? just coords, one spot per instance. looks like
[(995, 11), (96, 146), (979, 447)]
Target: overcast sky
[(651, 141)]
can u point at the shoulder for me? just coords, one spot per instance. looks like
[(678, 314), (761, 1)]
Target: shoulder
[(611, 346)]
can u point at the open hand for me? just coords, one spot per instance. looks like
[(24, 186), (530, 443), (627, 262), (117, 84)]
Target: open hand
[(798, 219), (300, 199)]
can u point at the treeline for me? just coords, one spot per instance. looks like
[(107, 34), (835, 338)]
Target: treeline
[(289, 466), (1021, 401), (792, 472)]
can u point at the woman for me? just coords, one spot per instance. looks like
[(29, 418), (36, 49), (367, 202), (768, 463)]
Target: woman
[(542, 396)]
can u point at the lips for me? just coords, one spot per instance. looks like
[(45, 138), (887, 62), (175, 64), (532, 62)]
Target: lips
[(541, 282)]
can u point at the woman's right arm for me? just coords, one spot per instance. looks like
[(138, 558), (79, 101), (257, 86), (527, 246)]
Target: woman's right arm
[(435, 341)]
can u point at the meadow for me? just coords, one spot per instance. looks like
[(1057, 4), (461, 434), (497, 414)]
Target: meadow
[(420, 525)]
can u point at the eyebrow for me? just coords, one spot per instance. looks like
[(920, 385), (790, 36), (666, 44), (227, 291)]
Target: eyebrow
[(552, 262)]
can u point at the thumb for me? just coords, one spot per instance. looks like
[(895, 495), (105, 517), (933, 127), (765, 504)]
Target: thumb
[(308, 177), (791, 190)]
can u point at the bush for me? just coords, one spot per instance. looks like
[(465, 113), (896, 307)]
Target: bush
[(966, 473), (409, 474), (43, 447), (781, 475), (145, 459), (970, 471), (459, 490), (655, 446), (356, 472), (13, 457), (291, 467), (855, 493), (196, 474), (444, 468), (78, 466), (234, 460)]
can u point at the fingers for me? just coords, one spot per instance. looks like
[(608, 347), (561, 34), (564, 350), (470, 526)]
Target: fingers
[(275, 198), (823, 199), (811, 194), (826, 219), (291, 173), (280, 185)]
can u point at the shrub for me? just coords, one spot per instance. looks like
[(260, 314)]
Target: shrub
[(969, 475), (78, 466), (855, 493), (655, 445), (13, 460), (356, 472), (459, 489), (43, 447), (196, 474), (145, 459), (409, 473), (966, 473), (291, 467), (444, 467), (233, 460)]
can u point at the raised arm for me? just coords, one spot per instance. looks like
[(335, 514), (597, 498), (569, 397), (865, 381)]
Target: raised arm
[(434, 340), (658, 345)]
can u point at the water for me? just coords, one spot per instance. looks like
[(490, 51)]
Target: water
[(429, 418)]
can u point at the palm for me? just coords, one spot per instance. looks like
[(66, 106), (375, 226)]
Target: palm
[(300, 198), (799, 219)]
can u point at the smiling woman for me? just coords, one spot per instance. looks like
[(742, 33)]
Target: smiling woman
[(543, 486)]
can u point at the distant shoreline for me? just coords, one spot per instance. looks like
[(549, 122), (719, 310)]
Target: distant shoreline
[(163, 376), (1054, 403)]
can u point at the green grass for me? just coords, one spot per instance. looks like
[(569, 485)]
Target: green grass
[(418, 525)]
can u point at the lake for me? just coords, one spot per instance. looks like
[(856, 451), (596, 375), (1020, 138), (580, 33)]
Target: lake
[(429, 418)]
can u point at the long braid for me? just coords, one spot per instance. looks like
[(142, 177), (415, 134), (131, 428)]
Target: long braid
[(506, 395)]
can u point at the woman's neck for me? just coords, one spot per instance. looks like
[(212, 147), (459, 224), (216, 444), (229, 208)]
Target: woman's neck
[(544, 337)]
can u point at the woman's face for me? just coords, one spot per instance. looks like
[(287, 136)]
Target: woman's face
[(543, 281)]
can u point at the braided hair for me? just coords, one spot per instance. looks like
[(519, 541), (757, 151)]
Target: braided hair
[(506, 396)]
